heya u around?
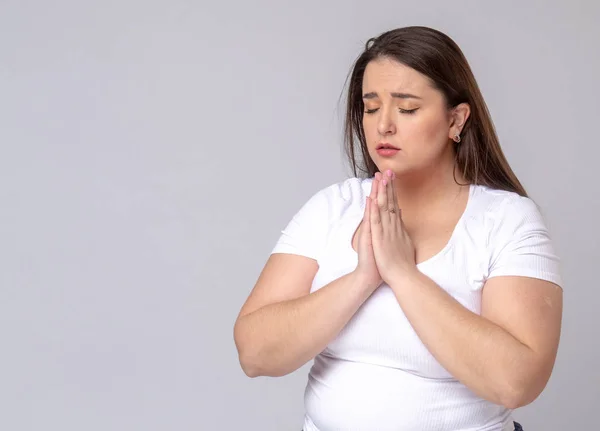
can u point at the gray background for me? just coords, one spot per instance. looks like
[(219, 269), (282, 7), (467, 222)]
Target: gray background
[(153, 150)]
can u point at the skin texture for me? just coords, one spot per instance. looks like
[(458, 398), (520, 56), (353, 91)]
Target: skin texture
[(505, 355)]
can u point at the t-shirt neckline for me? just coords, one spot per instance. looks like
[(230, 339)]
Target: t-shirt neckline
[(459, 225)]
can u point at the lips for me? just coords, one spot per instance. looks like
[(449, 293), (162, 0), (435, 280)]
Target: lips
[(387, 150), (386, 146)]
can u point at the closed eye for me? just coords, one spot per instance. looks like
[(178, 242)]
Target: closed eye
[(402, 111)]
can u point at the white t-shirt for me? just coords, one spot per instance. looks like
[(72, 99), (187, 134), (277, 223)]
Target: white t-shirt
[(377, 375)]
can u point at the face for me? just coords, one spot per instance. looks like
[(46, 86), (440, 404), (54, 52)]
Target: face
[(403, 110)]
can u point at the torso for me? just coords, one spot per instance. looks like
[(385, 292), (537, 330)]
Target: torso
[(430, 231), (377, 369)]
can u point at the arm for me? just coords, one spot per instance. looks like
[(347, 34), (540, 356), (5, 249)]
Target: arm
[(506, 355), (281, 326)]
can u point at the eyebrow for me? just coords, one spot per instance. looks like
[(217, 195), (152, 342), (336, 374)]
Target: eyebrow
[(373, 95)]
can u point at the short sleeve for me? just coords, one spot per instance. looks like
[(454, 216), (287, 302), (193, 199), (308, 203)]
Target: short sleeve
[(307, 231), (521, 244)]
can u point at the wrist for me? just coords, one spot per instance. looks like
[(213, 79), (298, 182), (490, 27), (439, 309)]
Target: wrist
[(364, 281), (405, 277)]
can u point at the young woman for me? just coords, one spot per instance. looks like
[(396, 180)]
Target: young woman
[(427, 291)]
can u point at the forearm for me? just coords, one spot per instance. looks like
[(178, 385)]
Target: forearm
[(479, 353), (279, 338)]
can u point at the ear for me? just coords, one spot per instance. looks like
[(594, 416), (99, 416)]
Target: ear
[(458, 117)]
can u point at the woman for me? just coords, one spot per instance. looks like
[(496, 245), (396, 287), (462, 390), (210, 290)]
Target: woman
[(428, 293)]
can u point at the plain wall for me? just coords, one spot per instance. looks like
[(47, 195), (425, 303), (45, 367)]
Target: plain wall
[(151, 152)]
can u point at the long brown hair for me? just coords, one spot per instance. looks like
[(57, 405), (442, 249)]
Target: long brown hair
[(437, 56)]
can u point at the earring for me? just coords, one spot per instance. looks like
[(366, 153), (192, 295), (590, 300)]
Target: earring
[(457, 138)]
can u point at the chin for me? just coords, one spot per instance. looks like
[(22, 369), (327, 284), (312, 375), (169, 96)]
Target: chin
[(396, 167)]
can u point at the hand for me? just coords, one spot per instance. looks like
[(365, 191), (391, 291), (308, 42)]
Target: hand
[(367, 268), (392, 246)]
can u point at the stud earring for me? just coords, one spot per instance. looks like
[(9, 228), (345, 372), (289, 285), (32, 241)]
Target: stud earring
[(457, 138)]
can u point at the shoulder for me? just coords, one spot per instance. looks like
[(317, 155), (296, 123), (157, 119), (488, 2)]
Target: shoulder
[(342, 197), (509, 221), (330, 204), (347, 190), (500, 208), (307, 232), (517, 240)]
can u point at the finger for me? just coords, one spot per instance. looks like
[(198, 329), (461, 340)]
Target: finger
[(378, 179), (394, 192), (391, 195), (374, 217), (367, 218), (381, 195), (374, 186)]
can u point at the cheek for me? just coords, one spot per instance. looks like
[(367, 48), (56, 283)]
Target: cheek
[(428, 133), (369, 126), (371, 134)]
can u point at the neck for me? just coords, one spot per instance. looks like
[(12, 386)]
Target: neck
[(423, 190)]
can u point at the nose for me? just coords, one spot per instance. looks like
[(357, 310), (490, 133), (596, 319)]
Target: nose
[(386, 125)]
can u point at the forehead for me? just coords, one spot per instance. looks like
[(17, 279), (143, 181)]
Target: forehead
[(387, 75)]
